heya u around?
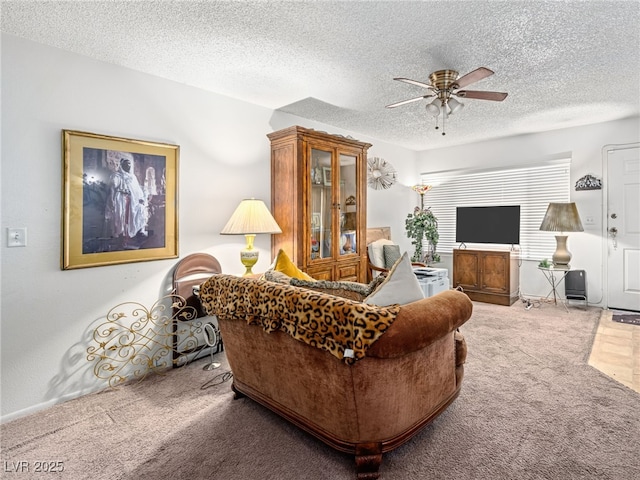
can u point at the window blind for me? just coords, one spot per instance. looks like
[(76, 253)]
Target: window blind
[(532, 187)]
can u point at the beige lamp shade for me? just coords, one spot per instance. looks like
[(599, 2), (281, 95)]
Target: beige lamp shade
[(250, 218), (561, 217)]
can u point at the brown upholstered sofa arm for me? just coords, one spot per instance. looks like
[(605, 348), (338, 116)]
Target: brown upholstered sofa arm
[(421, 323)]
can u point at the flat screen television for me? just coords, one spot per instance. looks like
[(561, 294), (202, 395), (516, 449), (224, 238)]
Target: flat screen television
[(499, 224)]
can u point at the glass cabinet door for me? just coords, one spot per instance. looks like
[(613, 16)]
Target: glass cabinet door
[(332, 204), (320, 204), (347, 202)]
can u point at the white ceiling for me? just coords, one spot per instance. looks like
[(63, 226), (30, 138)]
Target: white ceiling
[(563, 63)]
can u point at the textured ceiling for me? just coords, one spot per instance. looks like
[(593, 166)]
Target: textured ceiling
[(563, 63)]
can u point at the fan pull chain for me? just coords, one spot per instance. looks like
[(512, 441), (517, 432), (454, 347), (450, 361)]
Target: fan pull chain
[(444, 116)]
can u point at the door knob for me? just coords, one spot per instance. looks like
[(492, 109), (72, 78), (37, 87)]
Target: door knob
[(613, 231)]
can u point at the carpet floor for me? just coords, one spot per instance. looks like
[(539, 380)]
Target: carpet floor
[(530, 408)]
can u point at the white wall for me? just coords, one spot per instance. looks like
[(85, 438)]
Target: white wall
[(48, 314), (584, 146)]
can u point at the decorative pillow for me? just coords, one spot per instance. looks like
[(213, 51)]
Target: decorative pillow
[(336, 292), (375, 283), (391, 255), (278, 277), (376, 252), (350, 290), (400, 287), (328, 285), (286, 266)]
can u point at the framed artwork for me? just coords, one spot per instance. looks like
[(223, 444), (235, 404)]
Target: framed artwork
[(119, 200), (326, 176)]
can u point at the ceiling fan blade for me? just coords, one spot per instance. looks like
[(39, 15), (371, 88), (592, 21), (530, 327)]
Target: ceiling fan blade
[(479, 95), (404, 102), (414, 82), (472, 77)]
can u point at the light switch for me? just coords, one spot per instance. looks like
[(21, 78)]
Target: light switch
[(16, 237)]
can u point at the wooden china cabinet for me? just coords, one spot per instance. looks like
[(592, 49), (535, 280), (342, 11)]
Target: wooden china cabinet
[(319, 198)]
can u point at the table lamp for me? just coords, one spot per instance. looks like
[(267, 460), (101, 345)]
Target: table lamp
[(561, 217), (250, 218)]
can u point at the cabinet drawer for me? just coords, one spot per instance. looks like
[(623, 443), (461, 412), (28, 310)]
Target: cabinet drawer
[(348, 272), (320, 273)]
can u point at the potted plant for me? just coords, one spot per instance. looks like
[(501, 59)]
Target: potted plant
[(421, 226)]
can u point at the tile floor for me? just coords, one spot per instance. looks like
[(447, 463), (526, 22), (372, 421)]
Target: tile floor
[(616, 351)]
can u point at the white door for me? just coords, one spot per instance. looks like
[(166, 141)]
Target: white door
[(623, 227)]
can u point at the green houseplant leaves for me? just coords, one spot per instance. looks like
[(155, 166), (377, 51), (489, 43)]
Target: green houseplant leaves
[(422, 225)]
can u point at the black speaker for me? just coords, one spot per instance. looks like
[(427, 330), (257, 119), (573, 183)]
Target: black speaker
[(575, 285)]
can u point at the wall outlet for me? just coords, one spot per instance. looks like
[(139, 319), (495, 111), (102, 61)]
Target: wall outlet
[(589, 220)]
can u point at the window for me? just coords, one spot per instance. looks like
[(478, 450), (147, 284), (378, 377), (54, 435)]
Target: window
[(532, 187)]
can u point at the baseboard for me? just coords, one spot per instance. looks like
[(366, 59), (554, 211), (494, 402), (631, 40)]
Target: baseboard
[(48, 404)]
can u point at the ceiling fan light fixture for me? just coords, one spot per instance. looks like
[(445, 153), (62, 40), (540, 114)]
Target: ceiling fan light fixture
[(433, 109), (454, 105)]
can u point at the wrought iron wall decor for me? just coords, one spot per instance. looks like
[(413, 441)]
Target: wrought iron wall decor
[(136, 340), (589, 182)]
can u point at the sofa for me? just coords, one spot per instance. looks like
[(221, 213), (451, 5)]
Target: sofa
[(362, 378)]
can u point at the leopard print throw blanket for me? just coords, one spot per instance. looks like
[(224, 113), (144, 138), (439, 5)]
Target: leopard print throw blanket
[(342, 327)]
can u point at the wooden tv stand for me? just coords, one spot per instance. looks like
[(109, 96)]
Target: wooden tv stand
[(490, 276)]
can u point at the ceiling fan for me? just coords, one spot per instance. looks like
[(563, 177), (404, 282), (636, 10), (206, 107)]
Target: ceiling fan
[(445, 85)]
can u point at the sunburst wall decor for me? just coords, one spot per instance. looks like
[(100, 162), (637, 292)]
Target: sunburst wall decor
[(381, 174)]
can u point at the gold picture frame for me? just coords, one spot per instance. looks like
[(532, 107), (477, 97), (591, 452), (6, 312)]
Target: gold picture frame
[(120, 200)]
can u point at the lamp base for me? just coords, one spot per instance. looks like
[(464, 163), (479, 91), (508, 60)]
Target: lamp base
[(249, 258), (248, 255), (561, 257)]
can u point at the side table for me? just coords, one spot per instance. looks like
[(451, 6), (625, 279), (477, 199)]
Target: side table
[(554, 276)]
